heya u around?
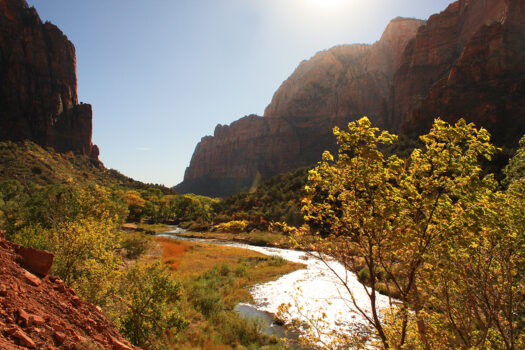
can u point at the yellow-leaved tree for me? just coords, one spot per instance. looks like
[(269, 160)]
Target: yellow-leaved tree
[(431, 230)]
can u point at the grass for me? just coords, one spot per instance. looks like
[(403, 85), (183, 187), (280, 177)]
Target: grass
[(154, 228), (191, 258), (259, 238), (215, 279)]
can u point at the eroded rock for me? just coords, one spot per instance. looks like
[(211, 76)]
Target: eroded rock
[(38, 83)]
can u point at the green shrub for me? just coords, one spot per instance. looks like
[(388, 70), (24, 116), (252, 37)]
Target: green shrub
[(276, 261), (207, 300), (147, 308), (237, 330), (364, 275), (135, 244), (241, 270), (225, 269)]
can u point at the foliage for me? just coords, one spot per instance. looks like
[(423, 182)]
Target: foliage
[(148, 306), (135, 244), (216, 278), (156, 207), (210, 293), (515, 170), (135, 205), (235, 226), (29, 163), (78, 224), (432, 224), (277, 199)]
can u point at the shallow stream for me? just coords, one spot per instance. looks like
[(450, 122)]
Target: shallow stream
[(316, 292)]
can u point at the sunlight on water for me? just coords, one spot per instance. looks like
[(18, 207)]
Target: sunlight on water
[(315, 289)]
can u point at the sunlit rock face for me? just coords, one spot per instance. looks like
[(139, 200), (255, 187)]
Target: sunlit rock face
[(38, 83), (332, 88), (467, 62)]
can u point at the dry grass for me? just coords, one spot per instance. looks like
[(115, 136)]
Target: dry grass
[(191, 258), (260, 238), (223, 275)]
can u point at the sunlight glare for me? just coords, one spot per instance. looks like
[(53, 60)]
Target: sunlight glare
[(327, 4)]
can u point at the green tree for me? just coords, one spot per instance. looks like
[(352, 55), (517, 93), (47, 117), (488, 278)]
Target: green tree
[(12, 199), (420, 226), (148, 306), (79, 225)]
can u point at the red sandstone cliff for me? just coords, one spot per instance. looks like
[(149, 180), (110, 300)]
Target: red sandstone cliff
[(466, 61), (38, 84), (38, 311), (484, 81), (333, 87)]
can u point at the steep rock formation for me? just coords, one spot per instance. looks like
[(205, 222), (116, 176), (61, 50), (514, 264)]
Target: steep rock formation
[(38, 84), (485, 83), (466, 61), (38, 311), (345, 81), (332, 88)]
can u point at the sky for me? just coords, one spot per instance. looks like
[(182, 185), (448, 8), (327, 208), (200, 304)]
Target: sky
[(161, 74)]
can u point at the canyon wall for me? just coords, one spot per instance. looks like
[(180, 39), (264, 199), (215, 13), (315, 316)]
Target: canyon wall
[(332, 88), (38, 84), (466, 61), (485, 83)]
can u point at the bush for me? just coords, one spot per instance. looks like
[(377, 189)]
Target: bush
[(148, 304), (207, 299), (364, 275), (135, 244), (235, 226)]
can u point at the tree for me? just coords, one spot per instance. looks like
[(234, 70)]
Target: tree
[(148, 304), (136, 205), (79, 225), (409, 223)]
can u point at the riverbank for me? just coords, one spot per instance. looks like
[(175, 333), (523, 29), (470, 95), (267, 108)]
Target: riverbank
[(313, 297), (257, 238), (216, 278)]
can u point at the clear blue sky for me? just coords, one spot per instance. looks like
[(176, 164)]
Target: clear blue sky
[(161, 74)]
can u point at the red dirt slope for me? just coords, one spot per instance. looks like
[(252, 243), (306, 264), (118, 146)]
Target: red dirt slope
[(42, 312)]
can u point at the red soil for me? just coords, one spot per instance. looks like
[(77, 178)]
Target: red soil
[(43, 313)]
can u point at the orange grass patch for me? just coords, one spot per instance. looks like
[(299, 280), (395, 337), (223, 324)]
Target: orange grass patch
[(189, 258), (173, 251)]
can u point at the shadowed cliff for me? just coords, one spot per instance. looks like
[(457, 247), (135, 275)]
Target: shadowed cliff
[(38, 84), (466, 61)]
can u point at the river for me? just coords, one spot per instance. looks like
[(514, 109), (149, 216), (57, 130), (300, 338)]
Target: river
[(314, 293)]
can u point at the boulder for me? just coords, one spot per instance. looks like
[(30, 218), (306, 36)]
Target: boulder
[(37, 261), (22, 337)]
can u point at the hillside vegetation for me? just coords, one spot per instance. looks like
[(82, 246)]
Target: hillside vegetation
[(28, 162)]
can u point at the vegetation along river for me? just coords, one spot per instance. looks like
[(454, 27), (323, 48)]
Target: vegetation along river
[(314, 293)]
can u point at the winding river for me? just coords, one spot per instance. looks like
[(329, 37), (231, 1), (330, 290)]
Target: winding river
[(314, 293)]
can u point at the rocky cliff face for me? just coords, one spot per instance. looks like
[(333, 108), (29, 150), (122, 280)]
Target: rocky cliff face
[(38, 311), (466, 61), (431, 54), (38, 84), (332, 88), (485, 83)]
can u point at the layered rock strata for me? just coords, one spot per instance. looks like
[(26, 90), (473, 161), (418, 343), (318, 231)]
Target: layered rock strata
[(485, 81), (38, 84)]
